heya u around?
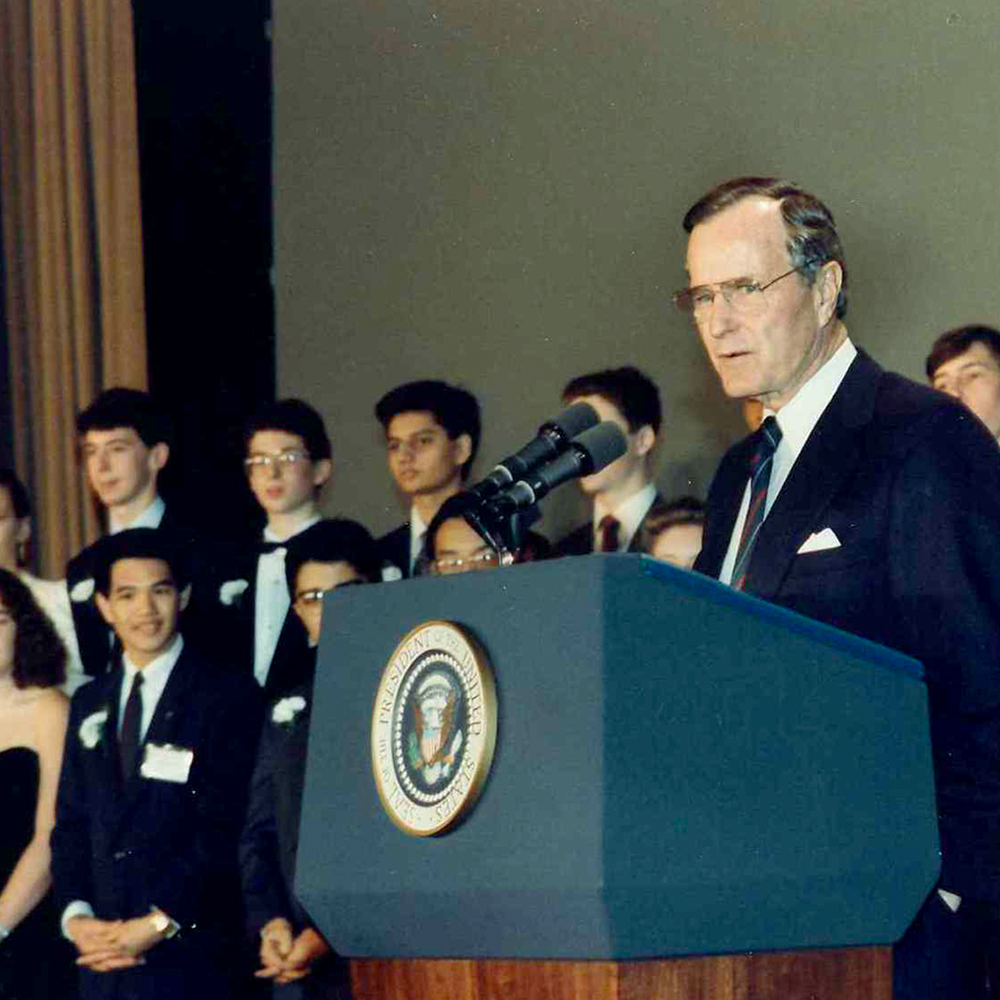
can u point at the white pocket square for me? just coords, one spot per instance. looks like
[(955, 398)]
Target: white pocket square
[(820, 541)]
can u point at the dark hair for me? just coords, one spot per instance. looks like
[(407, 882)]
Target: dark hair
[(633, 394), (812, 234), (456, 410), (293, 416), (122, 407), (139, 543), (39, 655), (666, 514), (455, 506), (19, 498), (952, 343), (333, 540)]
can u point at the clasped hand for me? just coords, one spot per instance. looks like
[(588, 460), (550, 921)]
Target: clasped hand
[(285, 956), (107, 945)]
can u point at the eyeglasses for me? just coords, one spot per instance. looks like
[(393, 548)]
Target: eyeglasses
[(310, 598), (291, 457), (742, 294), (452, 564)]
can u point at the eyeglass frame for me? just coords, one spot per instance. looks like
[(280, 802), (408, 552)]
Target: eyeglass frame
[(486, 556), (726, 289), (262, 461), (315, 595)]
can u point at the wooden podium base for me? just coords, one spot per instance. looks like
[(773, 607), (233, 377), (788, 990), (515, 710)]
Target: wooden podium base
[(842, 974)]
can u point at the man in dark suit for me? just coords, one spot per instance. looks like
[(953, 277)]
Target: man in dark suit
[(334, 554), (622, 493), (152, 793), (965, 363), (868, 502), (431, 436)]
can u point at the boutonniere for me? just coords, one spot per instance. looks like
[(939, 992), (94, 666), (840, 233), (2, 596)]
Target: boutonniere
[(231, 590), (284, 711), (92, 728), (83, 590)]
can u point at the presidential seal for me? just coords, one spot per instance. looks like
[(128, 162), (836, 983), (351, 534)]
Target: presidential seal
[(434, 728)]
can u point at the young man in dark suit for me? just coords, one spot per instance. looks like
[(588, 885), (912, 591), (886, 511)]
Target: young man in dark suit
[(622, 492), (152, 793), (965, 363), (868, 502), (288, 461), (125, 442), (332, 555), (431, 434)]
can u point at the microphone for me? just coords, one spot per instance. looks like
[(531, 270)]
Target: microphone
[(553, 438), (587, 453)]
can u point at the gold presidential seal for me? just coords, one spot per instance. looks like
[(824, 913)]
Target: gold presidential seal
[(434, 728)]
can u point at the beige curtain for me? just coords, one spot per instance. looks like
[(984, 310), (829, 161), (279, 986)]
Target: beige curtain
[(72, 241)]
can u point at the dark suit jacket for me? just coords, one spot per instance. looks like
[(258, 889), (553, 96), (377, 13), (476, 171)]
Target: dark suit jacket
[(125, 847), (92, 632), (909, 481), (270, 839), (395, 548), (580, 541)]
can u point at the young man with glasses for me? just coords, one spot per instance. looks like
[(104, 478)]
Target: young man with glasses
[(868, 502), (288, 461), (328, 557)]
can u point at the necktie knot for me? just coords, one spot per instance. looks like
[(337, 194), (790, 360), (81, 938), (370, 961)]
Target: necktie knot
[(769, 437)]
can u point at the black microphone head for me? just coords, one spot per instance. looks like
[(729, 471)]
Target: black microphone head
[(601, 445), (573, 420)]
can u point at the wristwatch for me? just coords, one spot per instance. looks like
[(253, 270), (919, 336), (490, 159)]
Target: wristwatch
[(163, 924)]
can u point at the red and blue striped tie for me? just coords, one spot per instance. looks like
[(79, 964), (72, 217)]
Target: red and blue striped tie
[(769, 437)]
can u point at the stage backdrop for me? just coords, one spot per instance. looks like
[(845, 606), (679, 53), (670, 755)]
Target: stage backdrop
[(490, 192)]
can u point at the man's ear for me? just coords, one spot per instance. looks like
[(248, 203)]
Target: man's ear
[(462, 449), (185, 596), (645, 439), (321, 471), (104, 606), (829, 280), (23, 530), (159, 455)]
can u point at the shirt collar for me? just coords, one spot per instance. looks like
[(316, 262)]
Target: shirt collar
[(156, 671), (150, 517), (799, 416), (629, 513), (271, 536)]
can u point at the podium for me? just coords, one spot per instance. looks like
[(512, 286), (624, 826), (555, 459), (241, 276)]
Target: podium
[(694, 794)]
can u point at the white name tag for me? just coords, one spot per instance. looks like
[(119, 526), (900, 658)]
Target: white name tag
[(167, 763)]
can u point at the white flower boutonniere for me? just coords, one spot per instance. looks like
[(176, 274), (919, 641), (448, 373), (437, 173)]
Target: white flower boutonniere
[(83, 590), (92, 727), (231, 590), (285, 710)]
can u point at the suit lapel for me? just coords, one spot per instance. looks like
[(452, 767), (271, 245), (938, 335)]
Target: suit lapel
[(723, 506), (830, 456)]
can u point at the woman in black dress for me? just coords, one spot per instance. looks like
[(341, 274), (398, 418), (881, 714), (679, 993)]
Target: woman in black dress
[(33, 715)]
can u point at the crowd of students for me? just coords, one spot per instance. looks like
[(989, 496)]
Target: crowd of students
[(163, 806)]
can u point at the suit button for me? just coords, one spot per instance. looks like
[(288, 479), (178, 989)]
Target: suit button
[(120, 855)]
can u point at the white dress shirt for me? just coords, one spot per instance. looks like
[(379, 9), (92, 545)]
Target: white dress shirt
[(629, 514), (797, 418), (155, 675), (150, 517), (271, 601)]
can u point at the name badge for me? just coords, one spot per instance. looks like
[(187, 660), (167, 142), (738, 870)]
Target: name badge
[(167, 763)]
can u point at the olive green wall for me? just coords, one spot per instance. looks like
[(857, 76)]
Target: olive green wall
[(491, 193)]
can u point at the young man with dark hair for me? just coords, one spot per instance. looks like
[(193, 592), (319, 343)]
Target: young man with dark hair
[(622, 492), (125, 442), (330, 556), (965, 363), (153, 787), (672, 531), (288, 461), (432, 434)]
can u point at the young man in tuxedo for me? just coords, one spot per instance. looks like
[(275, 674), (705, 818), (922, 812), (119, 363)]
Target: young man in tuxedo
[(288, 461), (153, 789), (432, 434), (965, 363), (125, 443), (332, 555), (868, 502), (622, 492)]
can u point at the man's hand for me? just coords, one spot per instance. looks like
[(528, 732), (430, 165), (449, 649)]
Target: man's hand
[(276, 938), (307, 948), (107, 945)]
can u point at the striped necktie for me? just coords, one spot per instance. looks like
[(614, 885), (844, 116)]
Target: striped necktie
[(761, 461)]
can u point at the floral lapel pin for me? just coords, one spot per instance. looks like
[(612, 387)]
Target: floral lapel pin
[(232, 590), (83, 590), (286, 709), (92, 728)]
